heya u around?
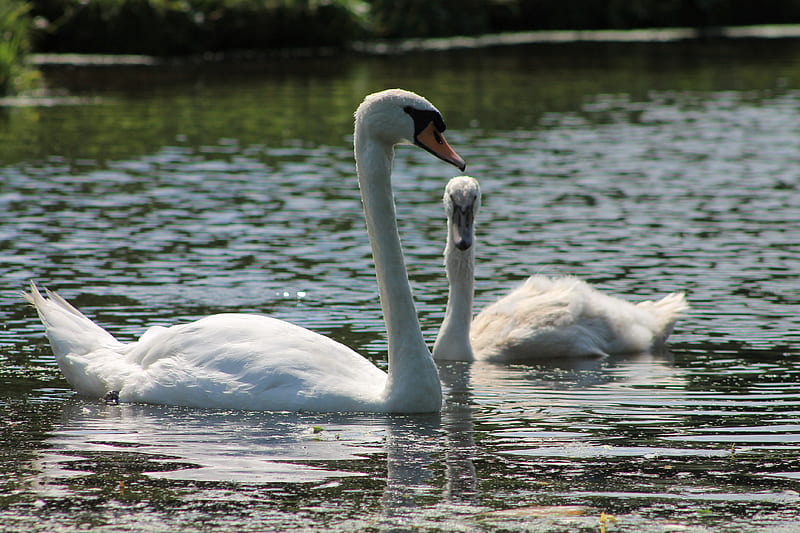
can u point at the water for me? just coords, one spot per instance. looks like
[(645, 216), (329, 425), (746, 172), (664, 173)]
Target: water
[(153, 196)]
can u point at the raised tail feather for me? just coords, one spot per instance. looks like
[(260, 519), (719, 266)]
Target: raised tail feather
[(667, 310), (69, 330)]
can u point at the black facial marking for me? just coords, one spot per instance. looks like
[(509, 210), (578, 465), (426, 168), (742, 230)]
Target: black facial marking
[(423, 117)]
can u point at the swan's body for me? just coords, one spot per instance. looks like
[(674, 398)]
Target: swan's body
[(544, 318), (256, 362)]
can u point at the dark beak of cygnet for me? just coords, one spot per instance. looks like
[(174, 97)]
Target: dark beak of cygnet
[(461, 227), (463, 245)]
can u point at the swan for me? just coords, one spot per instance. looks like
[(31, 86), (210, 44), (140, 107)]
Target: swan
[(545, 318), (255, 362)]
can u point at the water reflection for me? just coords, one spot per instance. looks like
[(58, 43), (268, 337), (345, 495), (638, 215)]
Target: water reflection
[(461, 484), (134, 444), (197, 445), (543, 440), (411, 449)]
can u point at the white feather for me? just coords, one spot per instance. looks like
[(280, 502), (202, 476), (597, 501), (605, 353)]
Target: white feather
[(256, 362)]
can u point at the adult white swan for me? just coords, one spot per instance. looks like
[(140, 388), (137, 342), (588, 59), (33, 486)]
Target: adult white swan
[(545, 318), (243, 361)]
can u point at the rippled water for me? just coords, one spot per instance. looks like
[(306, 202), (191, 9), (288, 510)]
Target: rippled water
[(150, 196)]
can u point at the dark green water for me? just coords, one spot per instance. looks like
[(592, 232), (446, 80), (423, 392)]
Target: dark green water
[(158, 195)]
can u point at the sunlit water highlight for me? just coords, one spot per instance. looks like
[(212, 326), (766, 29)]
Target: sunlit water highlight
[(185, 197)]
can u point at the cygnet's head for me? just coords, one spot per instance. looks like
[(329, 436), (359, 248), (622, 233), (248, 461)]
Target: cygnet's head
[(462, 199), (397, 116)]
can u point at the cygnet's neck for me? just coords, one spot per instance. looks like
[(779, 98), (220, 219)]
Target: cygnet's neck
[(413, 383), (453, 343)]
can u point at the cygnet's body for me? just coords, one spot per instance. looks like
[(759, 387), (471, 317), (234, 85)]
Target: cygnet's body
[(544, 319)]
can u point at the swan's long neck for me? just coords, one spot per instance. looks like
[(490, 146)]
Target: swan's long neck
[(452, 342), (413, 383)]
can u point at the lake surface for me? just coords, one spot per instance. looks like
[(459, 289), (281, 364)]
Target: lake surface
[(158, 195)]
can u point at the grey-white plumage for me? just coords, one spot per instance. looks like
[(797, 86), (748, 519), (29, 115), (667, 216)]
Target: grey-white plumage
[(544, 318)]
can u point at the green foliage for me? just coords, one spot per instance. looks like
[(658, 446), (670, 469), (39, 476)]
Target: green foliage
[(177, 27), (424, 18), (15, 27), (173, 27)]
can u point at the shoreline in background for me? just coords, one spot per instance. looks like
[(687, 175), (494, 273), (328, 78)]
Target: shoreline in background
[(401, 46), (769, 31)]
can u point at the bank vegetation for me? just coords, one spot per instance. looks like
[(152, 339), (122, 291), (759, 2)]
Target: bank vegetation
[(192, 27)]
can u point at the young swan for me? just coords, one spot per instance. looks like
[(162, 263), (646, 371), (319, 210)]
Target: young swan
[(243, 361), (544, 318)]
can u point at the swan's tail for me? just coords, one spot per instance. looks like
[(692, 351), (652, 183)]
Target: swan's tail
[(667, 310), (70, 331)]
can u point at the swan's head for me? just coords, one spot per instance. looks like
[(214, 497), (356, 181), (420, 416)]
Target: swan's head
[(396, 116), (462, 199)]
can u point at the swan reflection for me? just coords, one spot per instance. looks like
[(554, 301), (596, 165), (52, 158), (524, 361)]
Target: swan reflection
[(461, 484), (223, 446), (427, 461)]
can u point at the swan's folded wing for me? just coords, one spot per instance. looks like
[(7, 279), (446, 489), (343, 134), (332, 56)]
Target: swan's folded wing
[(249, 361)]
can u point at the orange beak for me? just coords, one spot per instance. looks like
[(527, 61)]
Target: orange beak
[(432, 140)]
